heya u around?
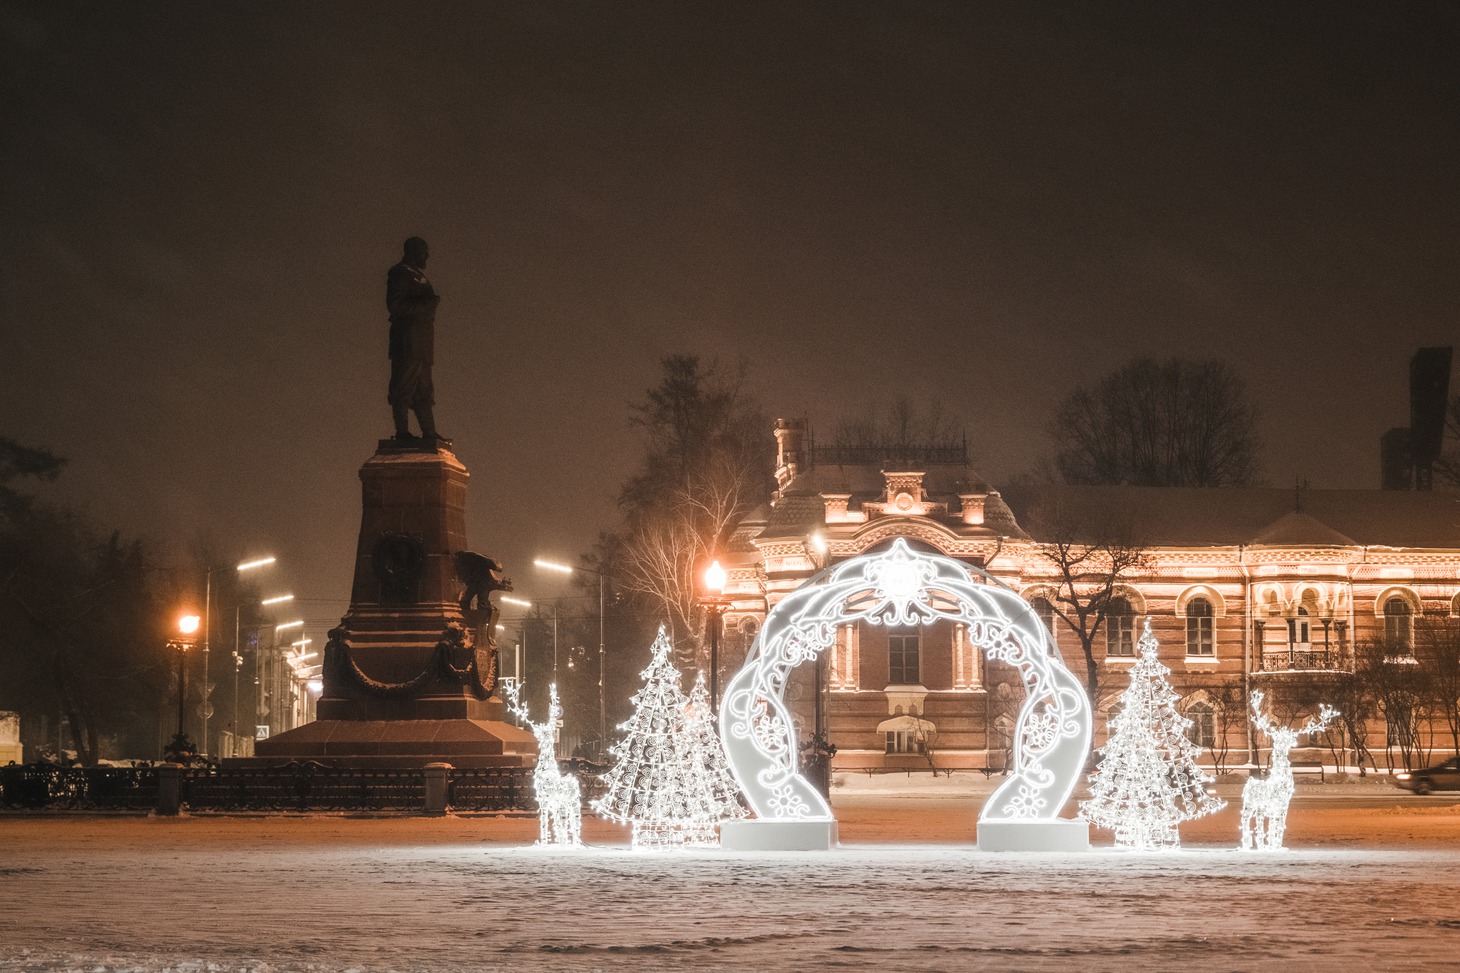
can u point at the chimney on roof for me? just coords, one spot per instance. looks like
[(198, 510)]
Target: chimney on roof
[(790, 450)]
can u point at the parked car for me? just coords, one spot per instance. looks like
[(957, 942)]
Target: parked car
[(1440, 777)]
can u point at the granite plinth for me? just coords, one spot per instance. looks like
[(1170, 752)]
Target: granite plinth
[(398, 743)]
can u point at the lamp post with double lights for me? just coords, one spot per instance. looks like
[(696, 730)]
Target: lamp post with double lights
[(181, 749), (238, 662), (270, 681), (714, 604), (519, 655), (299, 677), (602, 703), (259, 562)]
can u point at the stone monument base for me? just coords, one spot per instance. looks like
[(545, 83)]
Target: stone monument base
[(1034, 834), (763, 834), (397, 744)]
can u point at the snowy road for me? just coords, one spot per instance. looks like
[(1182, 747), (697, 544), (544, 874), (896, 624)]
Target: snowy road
[(330, 894)]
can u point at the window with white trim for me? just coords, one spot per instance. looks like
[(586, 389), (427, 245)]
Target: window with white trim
[(1399, 624), (1120, 628), (1200, 628), (1203, 729), (906, 741)]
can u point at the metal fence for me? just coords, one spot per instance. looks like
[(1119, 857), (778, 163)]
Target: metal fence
[(38, 786), (304, 786), (299, 786)]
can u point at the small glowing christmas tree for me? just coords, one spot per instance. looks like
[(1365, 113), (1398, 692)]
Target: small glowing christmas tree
[(711, 793), (645, 786), (1148, 781)]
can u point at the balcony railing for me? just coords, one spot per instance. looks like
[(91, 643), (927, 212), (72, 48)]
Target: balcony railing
[(1305, 660)]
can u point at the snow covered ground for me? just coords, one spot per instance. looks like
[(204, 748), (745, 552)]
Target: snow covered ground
[(1373, 882)]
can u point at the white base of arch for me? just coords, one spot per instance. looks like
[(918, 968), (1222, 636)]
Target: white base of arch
[(1046, 834), (768, 834)]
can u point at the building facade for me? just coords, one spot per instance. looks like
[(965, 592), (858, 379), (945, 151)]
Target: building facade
[(1244, 589)]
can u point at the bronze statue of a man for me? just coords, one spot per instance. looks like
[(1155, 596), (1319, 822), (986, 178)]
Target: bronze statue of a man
[(412, 304)]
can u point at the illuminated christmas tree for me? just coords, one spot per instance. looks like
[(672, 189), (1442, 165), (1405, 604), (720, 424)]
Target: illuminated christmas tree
[(1148, 781), (711, 793), (646, 784)]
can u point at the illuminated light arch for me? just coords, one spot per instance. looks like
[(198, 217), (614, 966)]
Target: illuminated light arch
[(903, 586)]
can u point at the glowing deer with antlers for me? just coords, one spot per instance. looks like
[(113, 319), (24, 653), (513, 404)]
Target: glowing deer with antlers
[(1265, 800), (559, 801)]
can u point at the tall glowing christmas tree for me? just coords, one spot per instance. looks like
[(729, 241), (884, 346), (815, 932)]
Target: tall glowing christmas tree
[(1148, 781), (711, 794), (646, 784)]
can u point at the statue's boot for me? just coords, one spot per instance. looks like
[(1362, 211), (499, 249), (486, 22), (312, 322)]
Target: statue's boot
[(402, 416), (427, 420)]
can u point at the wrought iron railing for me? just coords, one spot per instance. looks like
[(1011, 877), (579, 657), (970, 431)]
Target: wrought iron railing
[(1304, 660), (490, 789), (38, 786), (304, 786)]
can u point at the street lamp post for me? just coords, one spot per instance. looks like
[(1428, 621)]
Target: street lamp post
[(238, 661), (602, 703), (715, 604), (208, 631), (181, 749)]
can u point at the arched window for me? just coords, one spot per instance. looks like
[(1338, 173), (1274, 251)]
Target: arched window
[(1120, 627), (1203, 729), (1399, 624), (1300, 631), (1200, 628)]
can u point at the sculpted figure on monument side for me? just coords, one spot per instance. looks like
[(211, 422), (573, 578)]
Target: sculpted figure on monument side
[(480, 575), (412, 301)]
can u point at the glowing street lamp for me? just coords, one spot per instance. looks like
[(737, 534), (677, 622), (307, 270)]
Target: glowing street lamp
[(715, 604), (181, 748), (297, 623)]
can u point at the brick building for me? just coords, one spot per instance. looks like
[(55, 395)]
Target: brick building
[(1245, 588)]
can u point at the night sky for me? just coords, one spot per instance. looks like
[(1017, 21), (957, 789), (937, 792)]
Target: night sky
[(987, 204)]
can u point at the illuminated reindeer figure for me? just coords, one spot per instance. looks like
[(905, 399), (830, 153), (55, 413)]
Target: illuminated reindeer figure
[(559, 801), (1265, 800)]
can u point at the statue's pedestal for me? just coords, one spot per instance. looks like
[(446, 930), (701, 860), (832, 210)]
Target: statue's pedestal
[(404, 685), (763, 834), (1046, 834)]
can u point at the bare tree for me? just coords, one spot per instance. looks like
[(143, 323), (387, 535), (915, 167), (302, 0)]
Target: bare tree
[(1088, 555), (1395, 682), (901, 430), (1437, 652), (1229, 714), (707, 462), (1173, 423), (1350, 695)]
